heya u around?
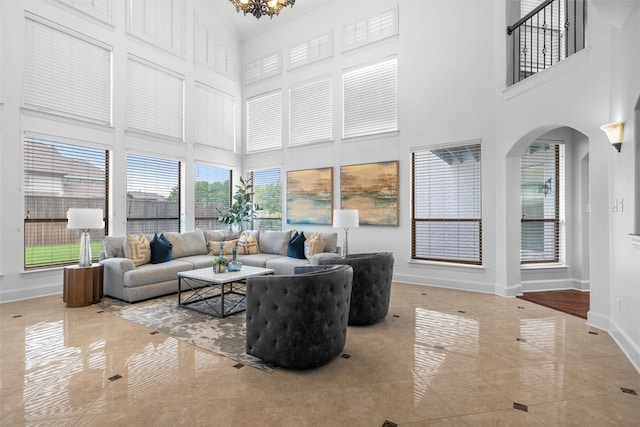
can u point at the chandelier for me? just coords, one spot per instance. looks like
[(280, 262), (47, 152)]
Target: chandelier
[(258, 8)]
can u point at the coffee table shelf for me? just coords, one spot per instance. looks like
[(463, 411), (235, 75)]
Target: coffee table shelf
[(207, 292)]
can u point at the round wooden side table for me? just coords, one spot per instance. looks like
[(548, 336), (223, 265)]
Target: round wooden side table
[(82, 285)]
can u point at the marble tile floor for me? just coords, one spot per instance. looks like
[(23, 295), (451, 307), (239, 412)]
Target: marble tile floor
[(440, 358)]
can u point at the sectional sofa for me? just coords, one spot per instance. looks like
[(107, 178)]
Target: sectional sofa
[(125, 280)]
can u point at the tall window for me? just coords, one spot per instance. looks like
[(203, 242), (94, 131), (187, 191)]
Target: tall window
[(370, 96), (310, 113), (446, 204), (267, 200), (542, 203), (264, 122), (213, 196), (153, 194), (58, 177)]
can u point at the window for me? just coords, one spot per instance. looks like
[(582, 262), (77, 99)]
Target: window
[(311, 51), (213, 195), (264, 122), (267, 200), (446, 204), (216, 118), (158, 22), (310, 113), (155, 100), (57, 177), (100, 9), (371, 99), (370, 30), (66, 73), (263, 68), (210, 51), (154, 191), (542, 202)]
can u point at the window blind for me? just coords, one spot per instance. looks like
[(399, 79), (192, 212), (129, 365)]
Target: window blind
[(263, 68), (161, 23), (542, 194), (370, 96), (212, 194), (155, 100), (66, 73), (370, 30), (446, 204), (311, 51), (100, 9), (215, 118), (211, 52), (264, 122), (310, 113), (57, 177), (267, 200), (153, 194)]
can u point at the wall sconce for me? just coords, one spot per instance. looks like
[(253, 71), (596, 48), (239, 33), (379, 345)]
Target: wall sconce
[(615, 133)]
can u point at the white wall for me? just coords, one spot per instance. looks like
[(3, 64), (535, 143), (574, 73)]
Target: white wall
[(15, 283)]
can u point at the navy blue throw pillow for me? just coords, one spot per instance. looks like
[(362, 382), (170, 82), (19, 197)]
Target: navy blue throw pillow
[(295, 248), (161, 249)]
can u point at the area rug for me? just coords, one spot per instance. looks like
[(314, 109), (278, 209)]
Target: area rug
[(223, 336)]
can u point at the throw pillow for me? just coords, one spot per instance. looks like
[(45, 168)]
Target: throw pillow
[(313, 245), (247, 244), (295, 248), (138, 249), (161, 249), (214, 247)]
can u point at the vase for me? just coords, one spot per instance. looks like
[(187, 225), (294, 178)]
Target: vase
[(234, 265)]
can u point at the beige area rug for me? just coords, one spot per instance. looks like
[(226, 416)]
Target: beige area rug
[(225, 336)]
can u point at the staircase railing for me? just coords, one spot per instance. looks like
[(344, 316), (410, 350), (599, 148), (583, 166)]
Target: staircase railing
[(551, 32)]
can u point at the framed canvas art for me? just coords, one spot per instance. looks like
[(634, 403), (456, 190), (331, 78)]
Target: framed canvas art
[(310, 196), (372, 188)]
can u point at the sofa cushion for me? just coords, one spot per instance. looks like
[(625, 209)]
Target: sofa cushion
[(161, 249), (228, 245), (215, 235), (248, 242), (295, 247), (188, 243), (330, 241), (259, 260), (138, 249), (114, 246), (313, 245), (149, 274), (285, 265), (274, 242)]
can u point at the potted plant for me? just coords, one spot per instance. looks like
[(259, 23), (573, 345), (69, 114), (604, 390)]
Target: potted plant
[(241, 209), (220, 264)]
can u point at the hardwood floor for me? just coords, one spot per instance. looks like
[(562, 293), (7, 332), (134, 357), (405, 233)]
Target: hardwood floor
[(568, 301)]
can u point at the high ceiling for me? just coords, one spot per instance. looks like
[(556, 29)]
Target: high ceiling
[(248, 26)]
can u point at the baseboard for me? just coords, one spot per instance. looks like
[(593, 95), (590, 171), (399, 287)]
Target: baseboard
[(555, 285), (626, 344), (31, 292), (472, 286)]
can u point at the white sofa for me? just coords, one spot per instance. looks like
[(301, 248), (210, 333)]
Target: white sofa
[(126, 281)]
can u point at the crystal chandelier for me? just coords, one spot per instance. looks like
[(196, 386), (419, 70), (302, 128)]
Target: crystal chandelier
[(258, 8)]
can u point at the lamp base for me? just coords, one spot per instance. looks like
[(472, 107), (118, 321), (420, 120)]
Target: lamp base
[(85, 249)]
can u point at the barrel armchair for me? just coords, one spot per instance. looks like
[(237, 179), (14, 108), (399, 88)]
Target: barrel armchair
[(299, 321), (371, 291)]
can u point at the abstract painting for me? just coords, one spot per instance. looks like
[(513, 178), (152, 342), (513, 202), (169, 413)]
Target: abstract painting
[(372, 188), (310, 196)]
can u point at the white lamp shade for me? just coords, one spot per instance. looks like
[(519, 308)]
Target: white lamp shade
[(614, 131), (346, 218), (84, 219)]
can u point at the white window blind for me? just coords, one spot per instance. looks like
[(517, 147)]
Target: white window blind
[(153, 194), (211, 52), (267, 198), (542, 203), (59, 176), (159, 22), (264, 122), (310, 113), (263, 68), (100, 9), (371, 99), (66, 73), (215, 118), (213, 196), (370, 30), (155, 100), (314, 50), (447, 209)]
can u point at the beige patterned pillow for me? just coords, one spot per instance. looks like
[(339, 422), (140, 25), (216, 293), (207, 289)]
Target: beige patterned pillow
[(313, 245), (214, 247), (138, 249), (247, 244)]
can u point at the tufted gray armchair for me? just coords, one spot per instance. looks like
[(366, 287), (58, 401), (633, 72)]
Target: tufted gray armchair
[(372, 275), (299, 321)]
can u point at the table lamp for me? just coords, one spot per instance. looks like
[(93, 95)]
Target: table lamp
[(85, 220), (346, 218)]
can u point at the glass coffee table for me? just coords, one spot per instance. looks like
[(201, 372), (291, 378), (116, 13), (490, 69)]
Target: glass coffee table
[(216, 294)]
